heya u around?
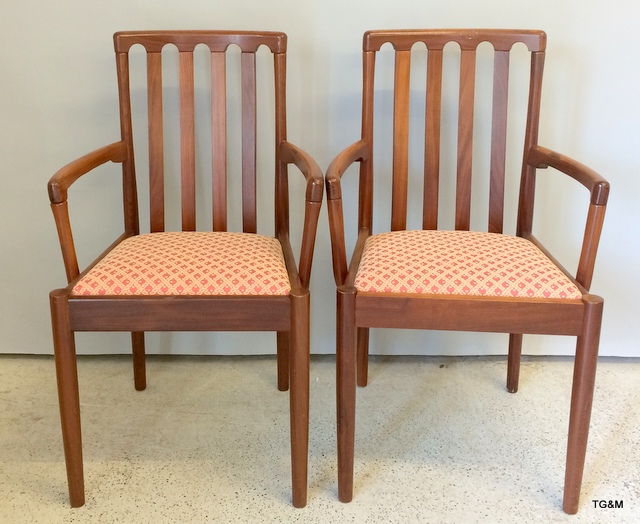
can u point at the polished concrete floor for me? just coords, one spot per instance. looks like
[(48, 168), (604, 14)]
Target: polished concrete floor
[(438, 440)]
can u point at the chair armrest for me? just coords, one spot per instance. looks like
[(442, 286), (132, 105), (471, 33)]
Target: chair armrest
[(356, 152), (65, 177), (540, 158), (291, 154), (58, 186)]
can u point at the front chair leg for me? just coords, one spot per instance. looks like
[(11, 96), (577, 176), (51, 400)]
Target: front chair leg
[(299, 396), (68, 395), (584, 374), (346, 390)]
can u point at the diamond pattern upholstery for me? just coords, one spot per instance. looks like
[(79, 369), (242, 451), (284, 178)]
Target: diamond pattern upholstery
[(190, 263), (460, 263)]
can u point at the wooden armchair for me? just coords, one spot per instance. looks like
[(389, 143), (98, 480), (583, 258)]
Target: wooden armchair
[(458, 279), (190, 280)]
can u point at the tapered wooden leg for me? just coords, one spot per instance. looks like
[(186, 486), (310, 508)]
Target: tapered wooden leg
[(513, 363), (283, 360), (299, 396), (346, 390), (68, 396), (363, 356), (584, 374), (139, 360)]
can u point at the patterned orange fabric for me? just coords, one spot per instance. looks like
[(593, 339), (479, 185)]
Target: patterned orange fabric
[(190, 263), (460, 263)]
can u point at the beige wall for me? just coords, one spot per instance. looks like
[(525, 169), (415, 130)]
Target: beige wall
[(58, 100)]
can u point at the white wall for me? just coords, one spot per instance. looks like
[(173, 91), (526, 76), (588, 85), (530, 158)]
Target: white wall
[(58, 100)]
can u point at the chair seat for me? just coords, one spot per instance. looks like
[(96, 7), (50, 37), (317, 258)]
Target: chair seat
[(460, 263), (190, 263)]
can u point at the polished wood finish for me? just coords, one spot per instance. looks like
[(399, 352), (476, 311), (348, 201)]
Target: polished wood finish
[(357, 312), (288, 315)]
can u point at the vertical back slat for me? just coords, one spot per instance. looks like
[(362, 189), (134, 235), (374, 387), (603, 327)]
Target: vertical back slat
[(432, 139), (156, 143), (219, 139), (282, 180), (248, 65), (465, 138), (527, 184), (400, 141), (130, 192), (365, 190), (187, 142), (498, 141)]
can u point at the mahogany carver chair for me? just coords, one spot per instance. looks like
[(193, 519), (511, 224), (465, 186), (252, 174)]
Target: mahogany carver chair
[(188, 279), (457, 279)]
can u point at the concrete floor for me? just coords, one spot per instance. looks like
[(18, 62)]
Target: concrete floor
[(438, 440)]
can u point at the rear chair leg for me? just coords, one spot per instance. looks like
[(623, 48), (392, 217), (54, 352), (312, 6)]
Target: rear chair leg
[(513, 363), (139, 361), (299, 396), (283, 360), (584, 374), (363, 356), (68, 396)]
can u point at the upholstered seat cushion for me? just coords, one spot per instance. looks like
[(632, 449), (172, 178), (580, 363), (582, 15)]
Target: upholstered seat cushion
[(460, 263), (190, 263)]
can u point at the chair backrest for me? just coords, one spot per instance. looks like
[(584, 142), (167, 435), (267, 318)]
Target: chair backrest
[(488, 122), (220, 45)]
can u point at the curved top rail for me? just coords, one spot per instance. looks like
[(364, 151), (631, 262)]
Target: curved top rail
[(501, 39), (154, 41)]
